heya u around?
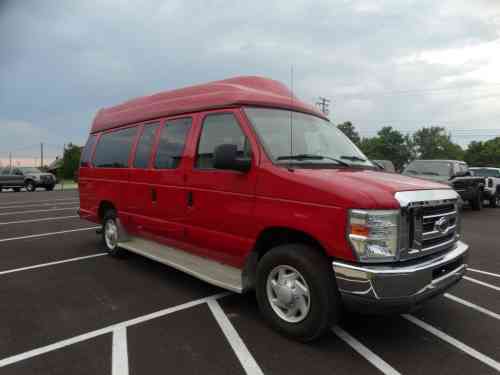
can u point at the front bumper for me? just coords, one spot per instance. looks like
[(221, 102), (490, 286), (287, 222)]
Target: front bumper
[(399, 287)]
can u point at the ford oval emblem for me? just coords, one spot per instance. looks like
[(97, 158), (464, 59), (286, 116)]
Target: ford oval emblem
[(442, 225)]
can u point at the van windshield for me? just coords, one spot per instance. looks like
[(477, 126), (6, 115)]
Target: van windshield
[(298, 138)]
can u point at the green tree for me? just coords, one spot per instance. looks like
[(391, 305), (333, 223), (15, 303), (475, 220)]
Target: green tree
[(483, 154), (350, 131), (71, 160), (389, 144), (434, 143)]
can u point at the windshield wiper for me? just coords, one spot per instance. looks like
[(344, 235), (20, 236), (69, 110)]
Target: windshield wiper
[(300, 157), (352, 158)]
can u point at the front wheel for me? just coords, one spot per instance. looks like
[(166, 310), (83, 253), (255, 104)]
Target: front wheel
[(30, 186), (495, 201), (296, 291), (477, 202), (17, 190), (110, 233)]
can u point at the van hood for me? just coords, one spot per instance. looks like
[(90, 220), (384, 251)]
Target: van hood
[(352, 188)]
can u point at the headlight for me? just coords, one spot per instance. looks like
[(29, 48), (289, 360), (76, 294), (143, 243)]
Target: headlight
[(374, 234)]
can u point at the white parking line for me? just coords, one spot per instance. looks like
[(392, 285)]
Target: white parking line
[(109, 329), (483, 272), (450, 340), (21, 203), (35, 211), (472, 306), (37, 220), (366, 353), (494, 287), (42, 265), (46, 234), (240, 349), (73, 201), (119, 355)]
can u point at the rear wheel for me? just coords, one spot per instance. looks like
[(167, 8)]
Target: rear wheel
[(0, 189), (296, 291), (49, 188), (30, 186), (110, 233), (17, 190)]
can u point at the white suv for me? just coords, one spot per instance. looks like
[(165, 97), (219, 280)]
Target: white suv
[(492, 187)]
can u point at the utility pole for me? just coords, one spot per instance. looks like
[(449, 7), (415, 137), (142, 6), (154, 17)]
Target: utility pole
[(323, 104), (62, 168), (41, 155)]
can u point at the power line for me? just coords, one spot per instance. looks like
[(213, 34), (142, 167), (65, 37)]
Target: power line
[(419, 91)]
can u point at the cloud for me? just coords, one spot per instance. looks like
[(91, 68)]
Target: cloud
[(61, 61)]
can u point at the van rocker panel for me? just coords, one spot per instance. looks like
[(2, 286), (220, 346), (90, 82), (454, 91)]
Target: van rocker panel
[(213, 272)]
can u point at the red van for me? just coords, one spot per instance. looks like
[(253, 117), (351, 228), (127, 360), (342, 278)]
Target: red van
[(240, 184)]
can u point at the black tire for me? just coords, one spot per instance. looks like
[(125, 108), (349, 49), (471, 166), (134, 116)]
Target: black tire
[(495, 201), (477, 202), (17, 190), (324, 300), (49, 188), (1, 189), (110, 217), (30, 186)]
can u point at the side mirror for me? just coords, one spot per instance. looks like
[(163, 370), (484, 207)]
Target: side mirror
[(226, 157)]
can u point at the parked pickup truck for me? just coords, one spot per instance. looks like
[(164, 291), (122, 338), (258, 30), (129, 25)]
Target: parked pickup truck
[(11, 179), (26, 177), (453, 173), (492, 186)]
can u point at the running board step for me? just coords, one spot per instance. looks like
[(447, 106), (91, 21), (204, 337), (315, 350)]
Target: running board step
[(213, 272)]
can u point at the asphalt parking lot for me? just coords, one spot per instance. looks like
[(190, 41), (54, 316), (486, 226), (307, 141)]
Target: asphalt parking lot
[(67, 308)]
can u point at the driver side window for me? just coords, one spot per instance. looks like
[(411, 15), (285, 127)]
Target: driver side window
[(219, 129)]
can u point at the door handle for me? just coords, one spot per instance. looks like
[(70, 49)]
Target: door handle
[(153, 195), (190, 199)]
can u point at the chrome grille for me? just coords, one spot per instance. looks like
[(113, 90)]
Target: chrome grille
[(428, 227)]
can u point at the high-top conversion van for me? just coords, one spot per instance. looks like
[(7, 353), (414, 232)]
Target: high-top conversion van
[(240, 184)]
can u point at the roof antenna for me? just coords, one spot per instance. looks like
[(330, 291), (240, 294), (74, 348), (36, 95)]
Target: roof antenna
[(291, 112)]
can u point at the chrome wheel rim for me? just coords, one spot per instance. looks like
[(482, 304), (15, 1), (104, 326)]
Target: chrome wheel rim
[(288, 294), (111, 234)]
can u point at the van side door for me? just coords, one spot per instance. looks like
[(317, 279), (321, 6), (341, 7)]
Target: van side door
[(139, 198), (221, 202), (166, 180)]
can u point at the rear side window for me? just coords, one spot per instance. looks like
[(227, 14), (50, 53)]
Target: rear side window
[(172, 141), (217, 130), (87, 151), (145, 146), (113, 149)]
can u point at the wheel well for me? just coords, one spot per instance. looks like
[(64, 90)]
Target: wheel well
[(103, 207), (269, 239)]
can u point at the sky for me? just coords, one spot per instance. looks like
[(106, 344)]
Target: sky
[(399, 63)]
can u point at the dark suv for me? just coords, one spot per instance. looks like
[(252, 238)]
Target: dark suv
[(27, 177), (453, 173)]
